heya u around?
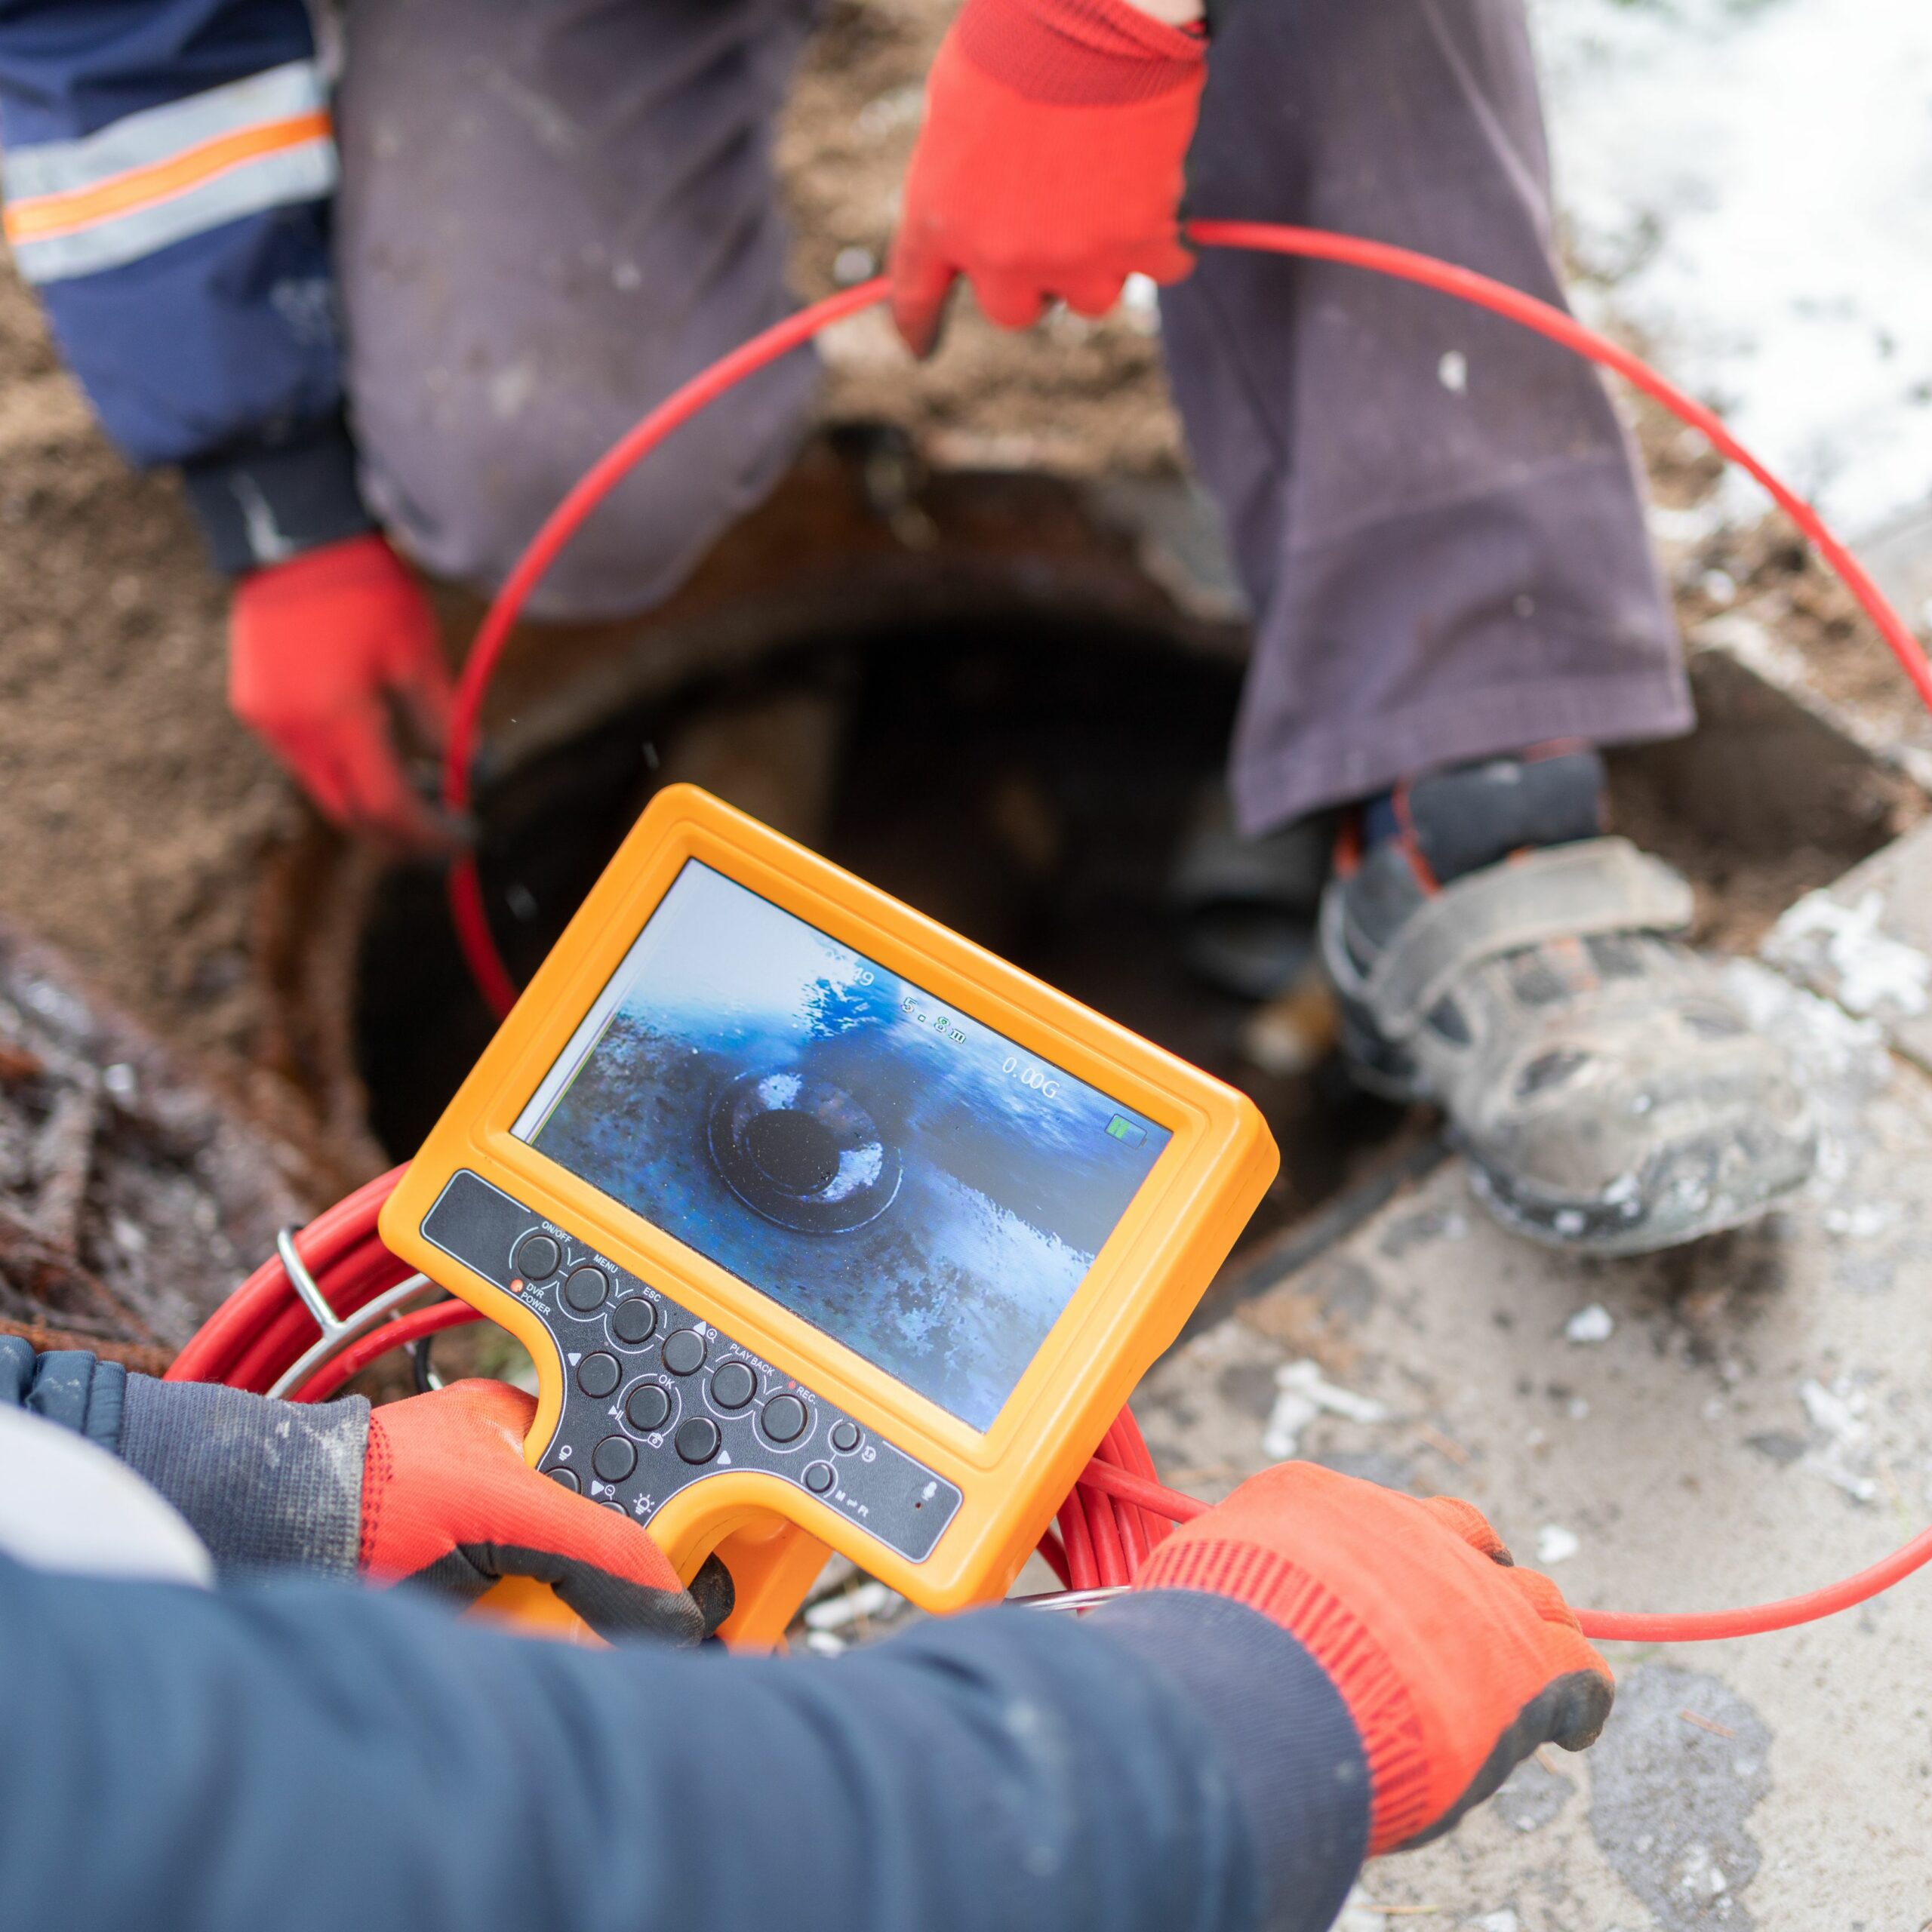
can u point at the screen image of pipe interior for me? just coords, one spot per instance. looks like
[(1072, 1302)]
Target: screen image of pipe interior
[(883, 1165)]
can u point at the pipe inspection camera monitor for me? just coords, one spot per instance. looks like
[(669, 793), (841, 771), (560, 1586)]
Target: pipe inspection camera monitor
[(822, 1226)]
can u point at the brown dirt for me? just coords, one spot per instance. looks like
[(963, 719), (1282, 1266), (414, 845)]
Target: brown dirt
[(1738, 894), (135, 810), (1785, 586)]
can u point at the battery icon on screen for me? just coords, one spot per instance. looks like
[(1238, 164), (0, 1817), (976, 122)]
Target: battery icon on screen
[(1121, 1128)]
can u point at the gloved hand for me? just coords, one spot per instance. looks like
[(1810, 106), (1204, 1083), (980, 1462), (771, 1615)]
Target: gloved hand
[(325, 652), (1050, 162), (448, 1500), (1454, 1665)]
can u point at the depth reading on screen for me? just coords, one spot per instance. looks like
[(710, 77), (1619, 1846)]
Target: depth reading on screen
[(882, 1164)]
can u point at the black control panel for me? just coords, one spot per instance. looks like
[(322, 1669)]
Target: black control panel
[(655, 1400)]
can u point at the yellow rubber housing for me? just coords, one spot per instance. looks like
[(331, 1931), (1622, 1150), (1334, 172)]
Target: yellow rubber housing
[(1143, 1284)]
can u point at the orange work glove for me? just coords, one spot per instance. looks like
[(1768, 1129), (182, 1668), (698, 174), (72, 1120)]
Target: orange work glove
[(1454, 1665), (326, 653), (447, 1499), (1050, 162)]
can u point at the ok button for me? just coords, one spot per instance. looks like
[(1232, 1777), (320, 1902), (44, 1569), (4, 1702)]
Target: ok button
[(649, 1407)]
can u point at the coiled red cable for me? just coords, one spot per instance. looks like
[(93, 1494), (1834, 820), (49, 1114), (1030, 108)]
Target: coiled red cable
[(1117, 1511), (263, 1329), (1116, 1514)]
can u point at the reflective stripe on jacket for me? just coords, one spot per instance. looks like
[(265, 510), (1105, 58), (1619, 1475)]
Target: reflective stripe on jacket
[(167, 170)]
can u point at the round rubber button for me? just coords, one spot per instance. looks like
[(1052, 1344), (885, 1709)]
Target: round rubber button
[(845, 1436), (567, 1478), (537, 1257), (599, 1374), (649, 1407), (784, 1418), (634, 1320), (696, 1440), (818, 1477), (733, 1385), (585, 1288), (684, 1352), (615, 1458)]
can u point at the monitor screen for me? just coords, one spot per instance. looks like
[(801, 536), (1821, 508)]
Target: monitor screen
[(903, 1177)]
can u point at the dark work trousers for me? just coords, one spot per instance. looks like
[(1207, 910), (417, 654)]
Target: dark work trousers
[(1435, 511), (552, 212)]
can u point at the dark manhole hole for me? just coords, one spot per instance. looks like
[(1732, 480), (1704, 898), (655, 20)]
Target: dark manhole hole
[(1028, 784)]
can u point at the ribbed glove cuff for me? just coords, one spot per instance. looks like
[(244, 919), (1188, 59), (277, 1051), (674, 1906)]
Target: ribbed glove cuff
[(1079, 53), (1356, 1664)]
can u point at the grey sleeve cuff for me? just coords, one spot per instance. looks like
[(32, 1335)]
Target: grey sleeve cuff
[(266, 1484), (1283, 1734), (265, 502)]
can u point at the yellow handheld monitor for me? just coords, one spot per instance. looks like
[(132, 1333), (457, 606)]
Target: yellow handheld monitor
[(824, 1225)]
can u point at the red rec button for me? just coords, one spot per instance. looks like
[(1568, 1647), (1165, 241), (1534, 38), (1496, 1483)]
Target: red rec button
[(785, 1419)]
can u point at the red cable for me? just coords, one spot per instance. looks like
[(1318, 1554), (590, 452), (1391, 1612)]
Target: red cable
[(1156, 1497), (1560, 326), (1754, 1620), (396, 1334), (1126, 1446), (467, 911), (239, 1321), (1110, 1557), (1082, 1574), (1117, 1511), (1054, 1551), (262, 1328), (466, 892)]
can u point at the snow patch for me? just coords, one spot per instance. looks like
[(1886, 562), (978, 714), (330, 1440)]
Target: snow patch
[(1593, 1324), (1844, 1457), (1555, 1544), (1868, 969), (1304, 1394), (1750, 183)]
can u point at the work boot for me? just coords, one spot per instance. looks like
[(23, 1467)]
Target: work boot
[(1246, 909), (1498, 955)]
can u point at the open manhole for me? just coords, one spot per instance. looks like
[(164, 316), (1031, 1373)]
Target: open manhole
[(1004, 700), (1027, 781)]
